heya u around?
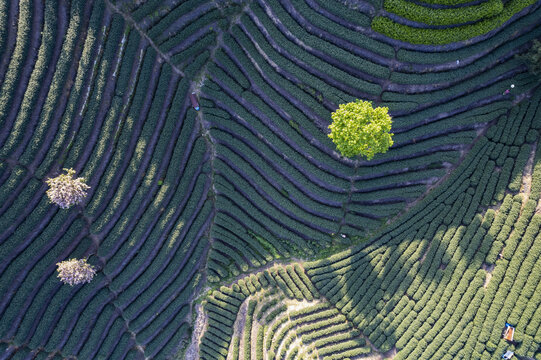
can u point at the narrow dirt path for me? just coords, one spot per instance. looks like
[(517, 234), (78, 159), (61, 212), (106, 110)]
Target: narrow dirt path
[(526, 187), (200, 323)]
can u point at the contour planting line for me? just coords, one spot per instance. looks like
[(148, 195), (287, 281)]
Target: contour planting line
[(41, 350), (356, 162), (132, 23), (464, 152), (197, 82), (120, 312)]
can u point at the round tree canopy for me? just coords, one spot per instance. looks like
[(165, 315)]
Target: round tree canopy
[(360, 129)]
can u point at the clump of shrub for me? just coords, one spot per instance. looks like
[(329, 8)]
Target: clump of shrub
[(75, 271), (533, 58), (66, 191)]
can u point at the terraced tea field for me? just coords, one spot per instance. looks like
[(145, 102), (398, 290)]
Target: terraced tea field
[(237, 231)]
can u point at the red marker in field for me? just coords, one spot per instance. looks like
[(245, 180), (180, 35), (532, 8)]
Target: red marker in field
[(195, 103)]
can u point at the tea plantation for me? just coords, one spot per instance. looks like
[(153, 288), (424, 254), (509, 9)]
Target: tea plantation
[(237, 231)]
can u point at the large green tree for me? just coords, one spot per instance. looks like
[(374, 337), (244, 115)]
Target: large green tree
[(360, 129)]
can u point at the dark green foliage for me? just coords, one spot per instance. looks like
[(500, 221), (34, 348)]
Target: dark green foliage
[(533, 58)]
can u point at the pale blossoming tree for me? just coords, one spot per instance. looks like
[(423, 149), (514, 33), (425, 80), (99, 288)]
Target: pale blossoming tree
[(75, 271), (65, 191)]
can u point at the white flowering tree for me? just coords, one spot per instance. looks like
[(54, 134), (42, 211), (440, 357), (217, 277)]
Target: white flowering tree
[(65, 191), (75, 271)]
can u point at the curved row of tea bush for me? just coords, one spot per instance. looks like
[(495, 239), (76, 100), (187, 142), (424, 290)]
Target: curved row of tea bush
[(445, 278), (282, 68), (183, 31), (459, 24), (443, 16), (276, 314), (83, 89), (101, 86)]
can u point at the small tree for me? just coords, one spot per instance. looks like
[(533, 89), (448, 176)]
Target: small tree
[(75, 271), (66, 191), (360, 129)]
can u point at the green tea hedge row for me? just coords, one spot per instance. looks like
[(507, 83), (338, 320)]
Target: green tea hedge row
[(132, 51), (235, 344), (446, 16), (446, 2), (315, 63), (235, 210), (306, 294), (228, 65), (339, 32), (315, 198), (50, 108), (135, 161), (495, 44), (523, 135), (195, 50), (275, 217), (295, 73), (480, 190), (266, 306), (341, 21), (144, 10), (157, 30), (116, 255), (232, 246), (316, 42), (338, 338), (535, 190), (22, 45), (272, 331), (144, 315), (520, 162), (3, 25), (279, 337), (49, 34), (294, 95), (17, 174), (247, 335), (240, 175), (311, 337), (92, 103), (503, 180), (278, 137), (239, 241), (413, 35), (190, 32), (259, 342), (282, 133), (514, 124), (452, 96), (343, 346), (315, 326), (274, 313)]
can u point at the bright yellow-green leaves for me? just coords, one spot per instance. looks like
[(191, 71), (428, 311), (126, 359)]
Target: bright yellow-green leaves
[(360, 129)]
